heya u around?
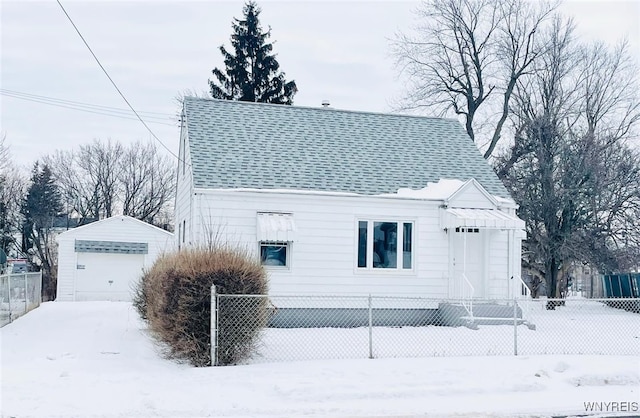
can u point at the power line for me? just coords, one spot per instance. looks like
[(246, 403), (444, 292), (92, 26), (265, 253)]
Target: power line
[(81, 109), (115, 85), (27, 96)]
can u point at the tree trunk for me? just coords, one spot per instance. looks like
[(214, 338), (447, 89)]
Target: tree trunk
[(551, 278)]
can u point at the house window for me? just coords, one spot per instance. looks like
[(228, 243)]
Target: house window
[(274, 254), (385, 245)]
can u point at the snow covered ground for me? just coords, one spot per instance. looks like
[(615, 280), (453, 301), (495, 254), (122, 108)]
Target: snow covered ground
[(94, 359)]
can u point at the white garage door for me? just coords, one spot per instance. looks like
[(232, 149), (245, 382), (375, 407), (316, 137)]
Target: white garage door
[(107, 276)]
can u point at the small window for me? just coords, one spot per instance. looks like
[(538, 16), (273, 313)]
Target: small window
[(274, 254), (385, 245)]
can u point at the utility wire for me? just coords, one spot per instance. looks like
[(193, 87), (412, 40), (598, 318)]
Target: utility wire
[(81, 109), (115, 85), (27, 96)]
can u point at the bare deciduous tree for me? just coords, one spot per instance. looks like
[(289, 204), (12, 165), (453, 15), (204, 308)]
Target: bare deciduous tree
[(4, 153), (147, 179), (569, 169), (12, 192), (467, 56), (609, 86), (103, 179), (101, 160), (78, 184)]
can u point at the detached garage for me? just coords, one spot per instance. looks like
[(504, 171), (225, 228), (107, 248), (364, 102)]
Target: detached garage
[(102, 260)]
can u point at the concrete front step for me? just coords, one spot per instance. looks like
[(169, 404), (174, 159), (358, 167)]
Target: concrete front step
[(473, 321), (482, 313)]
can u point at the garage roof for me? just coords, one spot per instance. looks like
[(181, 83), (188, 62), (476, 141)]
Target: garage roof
[(105, 226)]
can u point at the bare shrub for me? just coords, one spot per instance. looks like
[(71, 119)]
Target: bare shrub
[(139, 293), (174, 297)]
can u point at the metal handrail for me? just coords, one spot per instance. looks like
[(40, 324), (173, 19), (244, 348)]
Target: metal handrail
[(525, 307), (523, 285), (467, 294)]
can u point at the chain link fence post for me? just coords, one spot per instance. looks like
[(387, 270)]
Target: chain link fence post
[(515, 326), (9, 294), (26, 295), (370, 328), (214, 326), (39, 288)]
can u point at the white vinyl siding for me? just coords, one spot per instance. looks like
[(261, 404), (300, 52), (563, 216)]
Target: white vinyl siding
[(471, 197), (184, 191), (324, 258)]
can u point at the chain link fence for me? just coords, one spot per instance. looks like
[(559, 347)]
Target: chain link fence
[(334, 327), (19, 294)]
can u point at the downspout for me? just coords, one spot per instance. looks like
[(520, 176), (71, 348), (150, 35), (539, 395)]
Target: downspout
[(515, 252), (464, 253), (513, 282)]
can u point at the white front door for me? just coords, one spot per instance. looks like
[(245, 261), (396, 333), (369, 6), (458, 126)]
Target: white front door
[(469, 258)]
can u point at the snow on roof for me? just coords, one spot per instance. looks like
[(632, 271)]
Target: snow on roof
[(434, 191), (439, 190)]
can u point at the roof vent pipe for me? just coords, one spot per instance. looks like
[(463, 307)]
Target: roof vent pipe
[(325, 103)]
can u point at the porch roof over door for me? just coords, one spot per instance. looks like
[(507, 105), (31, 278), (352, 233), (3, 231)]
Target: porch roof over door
[(480, 218)]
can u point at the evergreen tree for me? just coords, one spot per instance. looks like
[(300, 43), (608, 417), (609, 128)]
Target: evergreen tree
[(251, 74), (42, 204)]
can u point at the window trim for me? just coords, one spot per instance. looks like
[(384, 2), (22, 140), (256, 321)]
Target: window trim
[(286, 244), (399, 270)]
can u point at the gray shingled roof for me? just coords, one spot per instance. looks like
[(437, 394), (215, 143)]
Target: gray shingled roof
[(264, 146)]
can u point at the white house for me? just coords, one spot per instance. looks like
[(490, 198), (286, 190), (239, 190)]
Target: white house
[(351, 203), (102, 260)]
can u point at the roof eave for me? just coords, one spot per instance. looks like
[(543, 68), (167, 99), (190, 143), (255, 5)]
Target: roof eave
[(200, 190)]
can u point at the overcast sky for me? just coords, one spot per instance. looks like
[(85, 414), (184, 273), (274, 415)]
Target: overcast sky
[(154, 50)]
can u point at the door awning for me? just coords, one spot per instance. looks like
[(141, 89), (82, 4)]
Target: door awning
[(480, 218), (276, 227)]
